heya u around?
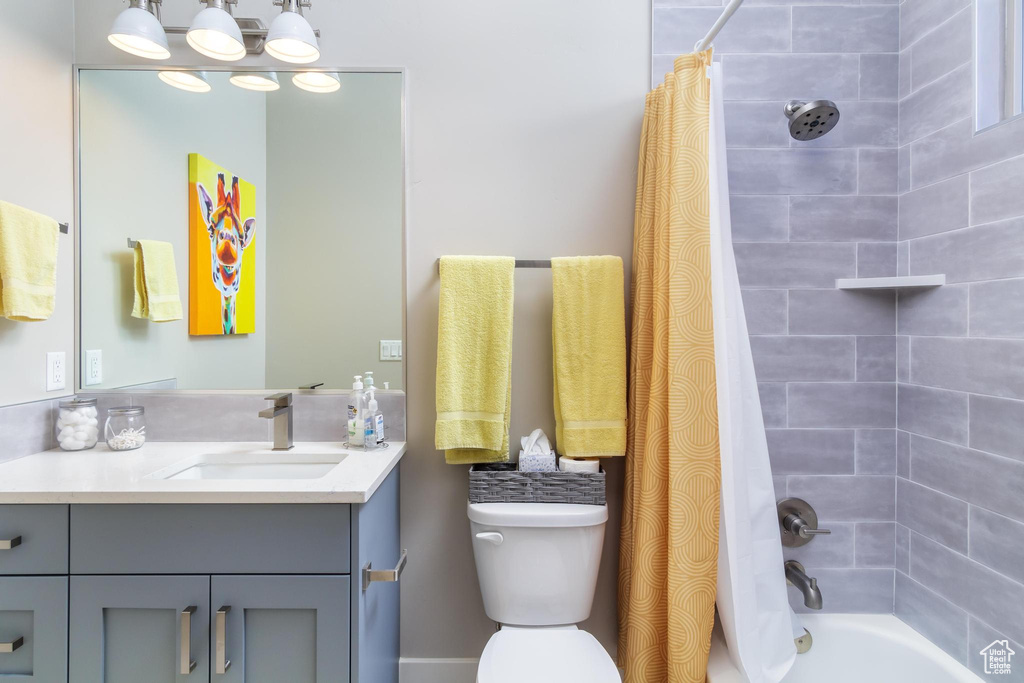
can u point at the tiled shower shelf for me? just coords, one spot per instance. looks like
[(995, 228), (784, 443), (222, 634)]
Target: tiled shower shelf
[(902, 282)]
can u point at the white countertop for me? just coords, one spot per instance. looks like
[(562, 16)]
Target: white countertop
[(104, 476)]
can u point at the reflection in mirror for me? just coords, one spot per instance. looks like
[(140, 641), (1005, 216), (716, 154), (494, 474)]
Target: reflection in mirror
[(998, 61), (281, 211)]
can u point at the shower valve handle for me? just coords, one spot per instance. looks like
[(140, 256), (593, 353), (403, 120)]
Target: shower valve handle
[(795, 525)]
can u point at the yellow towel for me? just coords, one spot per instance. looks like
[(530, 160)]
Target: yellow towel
[(589, 338), (28, 264), (474, 358), (156, 282)]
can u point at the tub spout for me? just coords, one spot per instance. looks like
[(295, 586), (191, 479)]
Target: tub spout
[(796, 576)]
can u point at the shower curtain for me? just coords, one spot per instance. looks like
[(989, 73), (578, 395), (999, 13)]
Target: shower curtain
[(752, 604), (669, 541), (696, 444)]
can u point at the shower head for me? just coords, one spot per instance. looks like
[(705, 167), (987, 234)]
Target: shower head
[(810, 120)]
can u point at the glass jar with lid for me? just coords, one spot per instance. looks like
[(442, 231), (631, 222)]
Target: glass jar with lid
[(77, 425), (126, 428)]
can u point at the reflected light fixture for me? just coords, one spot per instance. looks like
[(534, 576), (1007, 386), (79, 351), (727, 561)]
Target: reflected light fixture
[(215, 33), (137, 30), (291, 39), (317, 81), (255, 80), (190, 81)]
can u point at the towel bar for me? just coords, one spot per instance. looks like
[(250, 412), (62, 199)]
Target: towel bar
[(132, 243), (63, 228), (520, 263)]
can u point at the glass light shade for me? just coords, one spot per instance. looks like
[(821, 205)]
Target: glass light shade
[(138, 32), (215, 33), (317, 81), (291, 39), (254, 80), (191, 81)]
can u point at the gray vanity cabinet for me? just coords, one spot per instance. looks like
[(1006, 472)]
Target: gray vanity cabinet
[(269, 629), (33, 629), (169, 593), (130, 629)]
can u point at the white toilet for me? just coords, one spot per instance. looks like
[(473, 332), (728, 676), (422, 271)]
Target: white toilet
[(537, 564)]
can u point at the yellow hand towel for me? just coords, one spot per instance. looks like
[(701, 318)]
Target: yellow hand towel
[(474, 358), (28, 264), (589, 339), (156, 282)]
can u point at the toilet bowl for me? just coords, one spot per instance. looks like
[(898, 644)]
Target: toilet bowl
[(538, 564)]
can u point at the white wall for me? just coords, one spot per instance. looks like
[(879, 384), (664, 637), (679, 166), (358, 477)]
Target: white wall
[(523, 124), (136, 135), (334, 169), (36, 51)]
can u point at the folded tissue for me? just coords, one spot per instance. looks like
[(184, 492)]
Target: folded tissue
[(537, 455)]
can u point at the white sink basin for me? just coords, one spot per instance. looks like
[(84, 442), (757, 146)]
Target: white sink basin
[(283, 465)]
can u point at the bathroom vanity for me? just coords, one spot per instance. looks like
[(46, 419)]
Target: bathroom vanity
[(168, 565)]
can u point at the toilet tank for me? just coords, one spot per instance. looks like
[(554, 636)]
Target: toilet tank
[(537, 562)]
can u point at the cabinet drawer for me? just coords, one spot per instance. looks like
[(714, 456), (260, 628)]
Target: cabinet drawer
[(210, 539), (38, 539), (33, 629)]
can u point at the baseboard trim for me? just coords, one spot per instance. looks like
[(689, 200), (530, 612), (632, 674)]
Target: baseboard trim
[(432, 670)]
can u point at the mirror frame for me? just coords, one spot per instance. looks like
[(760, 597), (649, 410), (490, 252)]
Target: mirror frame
[(79, 383)]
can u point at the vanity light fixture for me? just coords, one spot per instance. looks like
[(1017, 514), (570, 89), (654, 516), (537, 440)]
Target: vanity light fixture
[(190, 81), (138, 31), (291, 38), (255, 80), (215, 33), (317, 81)]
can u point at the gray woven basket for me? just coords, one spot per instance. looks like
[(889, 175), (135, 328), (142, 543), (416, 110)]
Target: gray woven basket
[(503, 483)]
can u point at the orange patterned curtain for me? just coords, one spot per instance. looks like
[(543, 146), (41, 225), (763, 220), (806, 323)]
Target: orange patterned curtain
[(669, 544)]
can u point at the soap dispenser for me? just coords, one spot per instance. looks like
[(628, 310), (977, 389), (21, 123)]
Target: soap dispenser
[(373, 424), (356, 408)]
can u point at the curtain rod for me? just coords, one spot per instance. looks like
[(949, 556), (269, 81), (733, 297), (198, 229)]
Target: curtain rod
[(729, 10)]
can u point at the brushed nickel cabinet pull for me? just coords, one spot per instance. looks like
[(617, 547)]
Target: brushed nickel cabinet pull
[(187, 663), (10, 543), (371, 575), (11, 646), (222, 663)]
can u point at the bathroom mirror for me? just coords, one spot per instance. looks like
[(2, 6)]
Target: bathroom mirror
[(308, 289), (998, 61)]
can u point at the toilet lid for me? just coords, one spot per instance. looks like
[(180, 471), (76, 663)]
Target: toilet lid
[(545, 655)]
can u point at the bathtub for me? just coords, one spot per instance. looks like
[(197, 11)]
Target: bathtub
[(854, 648)]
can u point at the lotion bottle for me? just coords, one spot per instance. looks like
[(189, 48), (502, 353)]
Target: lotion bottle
[(356, 409)]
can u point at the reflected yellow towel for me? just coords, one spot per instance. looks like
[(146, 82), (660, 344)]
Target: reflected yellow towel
[(474, 358), (28, 264), (156, 282), (589, 337)]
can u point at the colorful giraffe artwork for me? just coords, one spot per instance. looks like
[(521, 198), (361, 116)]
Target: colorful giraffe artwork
[(222, 259)]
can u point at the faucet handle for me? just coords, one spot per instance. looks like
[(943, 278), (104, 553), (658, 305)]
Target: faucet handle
[(282, 400), (805, 532)]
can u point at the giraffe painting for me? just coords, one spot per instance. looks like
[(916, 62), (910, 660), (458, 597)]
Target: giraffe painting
[(227, 240)]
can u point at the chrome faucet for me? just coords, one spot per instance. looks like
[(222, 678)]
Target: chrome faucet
[(281, 414), (795, 576)]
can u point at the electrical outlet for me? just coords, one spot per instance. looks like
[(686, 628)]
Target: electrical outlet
[(55, 371), (93, 367), (390, 349)]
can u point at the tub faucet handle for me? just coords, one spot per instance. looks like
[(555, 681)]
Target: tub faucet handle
[(799, 522)]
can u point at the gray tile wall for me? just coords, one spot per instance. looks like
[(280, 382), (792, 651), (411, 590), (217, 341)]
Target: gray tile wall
[(803, 215), (960, 444)]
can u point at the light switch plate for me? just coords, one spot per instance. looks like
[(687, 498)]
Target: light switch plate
[(391, 349), (93, 367), (55, 371)]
